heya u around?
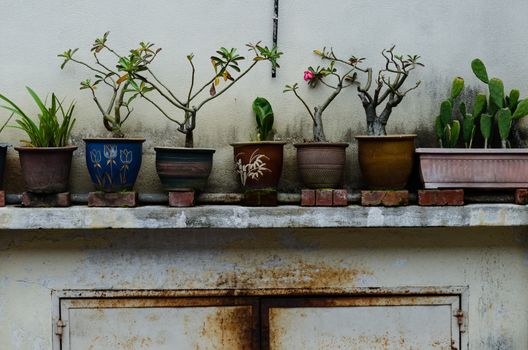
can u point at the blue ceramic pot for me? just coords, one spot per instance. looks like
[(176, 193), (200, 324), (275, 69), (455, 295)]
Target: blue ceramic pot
[(113, 163), (184, 169)]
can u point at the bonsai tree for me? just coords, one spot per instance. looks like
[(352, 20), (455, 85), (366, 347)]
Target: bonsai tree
[(388, 86), (136, 71), (323, 75), (501, 110), (117, 109)]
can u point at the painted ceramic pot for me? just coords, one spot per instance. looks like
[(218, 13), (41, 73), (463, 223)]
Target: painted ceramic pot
[(386, 162), (258, 164), (113, 163), (46, 169), (184, 169), (321, 164)]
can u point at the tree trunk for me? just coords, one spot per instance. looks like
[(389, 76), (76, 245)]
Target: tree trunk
[(189, 140), (376, 127), (318, 131)]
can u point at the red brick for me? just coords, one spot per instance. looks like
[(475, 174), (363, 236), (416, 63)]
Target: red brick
[(112, 199), (384, 198), (440, 197), (181, 199), (30, 199), (324, 198), (307, 198), (340, 198), (2, 199), (260, 198), (521, 196)]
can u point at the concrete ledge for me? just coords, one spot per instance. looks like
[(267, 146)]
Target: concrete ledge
[(228, 216)]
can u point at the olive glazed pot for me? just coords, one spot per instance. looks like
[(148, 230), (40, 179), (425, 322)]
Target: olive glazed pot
[(321, 164), (259, 164), (184, 169), (386, 162), (473, 168), (46, 169), (113, 163)]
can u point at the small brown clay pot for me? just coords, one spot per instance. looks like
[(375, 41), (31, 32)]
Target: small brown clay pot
[(258, 164), (386, 161), (46, 169), (321, 164)]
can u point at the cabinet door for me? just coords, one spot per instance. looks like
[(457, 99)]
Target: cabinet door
[(159, 324), (361, 323)]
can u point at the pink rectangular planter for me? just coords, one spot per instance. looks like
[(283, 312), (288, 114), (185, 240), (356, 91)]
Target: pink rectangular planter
[(473, 168)]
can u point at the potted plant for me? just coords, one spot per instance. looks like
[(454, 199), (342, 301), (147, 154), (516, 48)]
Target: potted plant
[(322, 163), (496, 116), (46, 157), (259, 163), (3, 152), (187, 168), (385, 161), (113, 162)]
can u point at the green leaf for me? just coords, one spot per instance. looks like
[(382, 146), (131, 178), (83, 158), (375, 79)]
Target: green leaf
[(496, 89), (264, 117), (446, 113), (513, 99), (486, 122), (479, 69), (521, 110), (457, 87), (455, 133), (480, 105)]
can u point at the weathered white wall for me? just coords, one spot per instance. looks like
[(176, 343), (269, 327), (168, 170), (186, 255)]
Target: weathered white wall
[(491, 262), (447, 34)]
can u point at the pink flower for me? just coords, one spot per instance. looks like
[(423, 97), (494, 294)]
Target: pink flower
[(308, 75)]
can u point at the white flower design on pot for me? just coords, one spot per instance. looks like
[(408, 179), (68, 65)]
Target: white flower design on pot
[(254, 170)]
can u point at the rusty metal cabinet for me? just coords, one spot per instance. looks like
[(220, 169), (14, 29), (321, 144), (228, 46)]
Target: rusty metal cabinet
[(161, 322)]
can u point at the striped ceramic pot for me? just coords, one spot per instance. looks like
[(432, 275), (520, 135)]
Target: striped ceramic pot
[(184, 169)]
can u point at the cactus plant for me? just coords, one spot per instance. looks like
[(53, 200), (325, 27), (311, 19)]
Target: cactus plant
[(448, 128), (506, 110)]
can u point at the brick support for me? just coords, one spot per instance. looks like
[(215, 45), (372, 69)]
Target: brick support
[(440, 197), (30, 199), (112, 199), (384, 198), (181, 199)]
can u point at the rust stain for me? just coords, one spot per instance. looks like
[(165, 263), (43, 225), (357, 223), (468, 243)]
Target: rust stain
[(229, 328), (300, 275)]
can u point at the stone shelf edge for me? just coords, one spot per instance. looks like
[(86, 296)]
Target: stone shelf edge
[(229, 216)]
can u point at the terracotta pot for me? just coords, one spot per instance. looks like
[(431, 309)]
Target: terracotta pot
[(184, 169), (46, 169), (386, 161), (321, 164), (473, 168), (258, 164), (113, 163)]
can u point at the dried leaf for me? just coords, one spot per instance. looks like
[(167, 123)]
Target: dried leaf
[(122, 78), (212, 90)]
